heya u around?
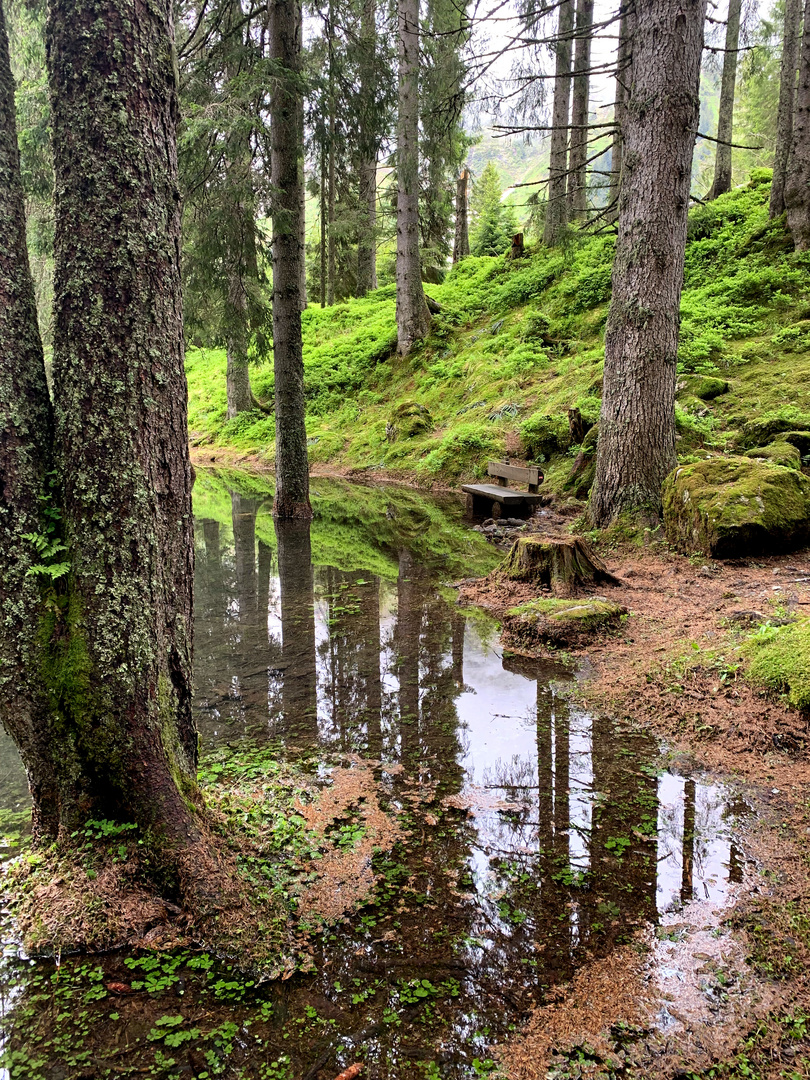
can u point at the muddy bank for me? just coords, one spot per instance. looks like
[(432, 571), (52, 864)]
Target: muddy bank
[(711, 992)]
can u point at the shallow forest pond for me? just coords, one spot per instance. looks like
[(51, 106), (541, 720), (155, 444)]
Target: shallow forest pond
[(533, 836)]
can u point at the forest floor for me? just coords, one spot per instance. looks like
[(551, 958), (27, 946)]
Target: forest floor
[(712, 993)]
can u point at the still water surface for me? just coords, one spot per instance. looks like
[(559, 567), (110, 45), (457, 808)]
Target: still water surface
[(540, 835)]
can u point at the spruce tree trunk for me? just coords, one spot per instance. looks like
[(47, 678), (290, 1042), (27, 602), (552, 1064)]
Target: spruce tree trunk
[(302, 210), (323, 228), (787, 97), (240, 238), (461, 244), (120, 634), (413, 317), (725, 121), (557, 209), (367, 229), (26, 432), (577, 181), (636, 446), (797, 182), (292, 469), (330, 280), (624, 79)]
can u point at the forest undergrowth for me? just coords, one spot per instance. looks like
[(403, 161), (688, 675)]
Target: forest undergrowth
[(518, 344)]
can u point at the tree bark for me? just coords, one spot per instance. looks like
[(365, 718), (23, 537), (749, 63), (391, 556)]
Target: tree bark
[(292, 470), (26, 431), (413, 317), (367, 231), (120, 636), (725, 121), (636, 446), (461, 244), (797, 182), (624, 79), (557, 209), (331, 261), (240, 238), (787, 97), (577, 180)]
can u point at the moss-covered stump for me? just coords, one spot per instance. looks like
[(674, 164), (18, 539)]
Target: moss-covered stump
[(727, 507), (777, 453), (561, 623), (565, 565)]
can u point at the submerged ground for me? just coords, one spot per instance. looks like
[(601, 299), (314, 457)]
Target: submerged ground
[(491, 863)]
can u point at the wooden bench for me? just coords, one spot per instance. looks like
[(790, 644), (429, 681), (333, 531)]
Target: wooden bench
[(492, 500)]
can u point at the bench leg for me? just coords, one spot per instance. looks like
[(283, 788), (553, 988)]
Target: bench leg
[(496, 510), (469, 506)]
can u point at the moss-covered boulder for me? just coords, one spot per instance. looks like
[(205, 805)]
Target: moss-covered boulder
[(542, 435), (568, 623), (736, 506), (409, 419), (799, 439), (780, 661), (704, 387), (777, 453), (763, 431)]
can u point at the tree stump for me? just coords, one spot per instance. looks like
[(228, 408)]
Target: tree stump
[(517, 250), (564, 564)]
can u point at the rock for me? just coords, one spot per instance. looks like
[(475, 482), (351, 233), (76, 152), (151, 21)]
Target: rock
[(542, 435), (727, 507), (778, 453), (762, 432), (559, 622), (799, 439), (563, 564), (705, 387), (409, 419)]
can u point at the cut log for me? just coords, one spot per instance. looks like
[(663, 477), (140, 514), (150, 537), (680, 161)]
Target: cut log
[(517, 250), (564, 564)]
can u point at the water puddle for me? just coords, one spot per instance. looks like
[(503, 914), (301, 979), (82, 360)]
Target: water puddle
[(537, 836)]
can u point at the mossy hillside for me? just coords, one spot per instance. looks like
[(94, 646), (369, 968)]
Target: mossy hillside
[(779, 660), (519, 343), (359, 527), (730, 506)]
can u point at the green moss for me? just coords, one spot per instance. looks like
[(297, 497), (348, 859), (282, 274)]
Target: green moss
[(518, 344), (735, 506), (590, 613), (542, 436), (778, 453), (780, 661), (704, 387)]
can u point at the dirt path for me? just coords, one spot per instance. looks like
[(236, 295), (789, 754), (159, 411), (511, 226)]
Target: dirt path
[(708, 993)]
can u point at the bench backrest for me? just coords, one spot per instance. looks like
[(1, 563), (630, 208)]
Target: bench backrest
[(531, 476)]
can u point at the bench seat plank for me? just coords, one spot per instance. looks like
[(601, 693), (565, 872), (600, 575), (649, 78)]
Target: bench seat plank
[(506, 496)]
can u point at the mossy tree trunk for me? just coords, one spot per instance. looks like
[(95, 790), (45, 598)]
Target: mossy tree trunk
[(557, 208), (725, 120), (119, 634), (797, 182), (240, 243), (564, 565), (787, 96), (26, 428), (461, 242), (624, 79), (578, 155), (637, 423), (292, 468), (413, 317)]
